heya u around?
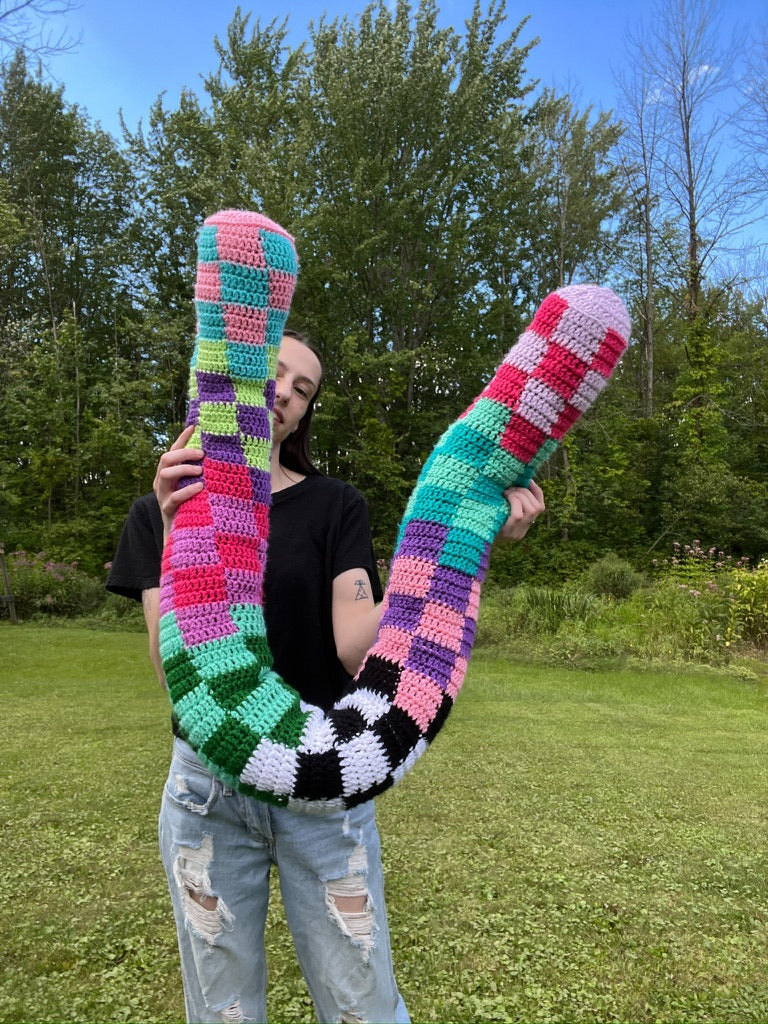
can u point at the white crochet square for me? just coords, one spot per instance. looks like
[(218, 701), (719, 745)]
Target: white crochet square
[(372, 706), (364, 763), (271, 768)]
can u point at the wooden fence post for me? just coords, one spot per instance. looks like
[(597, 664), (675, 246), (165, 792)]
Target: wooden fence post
[(7, 596)]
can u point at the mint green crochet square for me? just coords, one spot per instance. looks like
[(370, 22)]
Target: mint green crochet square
[(488, 417), (171, 640), (264, 707), (218, 418), (249, 619), (448, 472), (225, 653), (473, 516), (205, 715), (505, 469)]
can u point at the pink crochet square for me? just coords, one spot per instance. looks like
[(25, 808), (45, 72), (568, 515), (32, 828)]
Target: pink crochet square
[(419, 696)]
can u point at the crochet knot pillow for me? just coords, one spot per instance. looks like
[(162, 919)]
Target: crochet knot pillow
[(247, 724)]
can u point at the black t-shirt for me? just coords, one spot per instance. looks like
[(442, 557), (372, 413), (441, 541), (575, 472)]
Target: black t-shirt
[(319, 529)]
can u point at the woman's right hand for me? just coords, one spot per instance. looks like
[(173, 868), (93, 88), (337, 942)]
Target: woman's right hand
[(176, 464)]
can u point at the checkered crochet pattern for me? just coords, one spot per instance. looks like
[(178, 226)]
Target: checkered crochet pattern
[(246, 724)]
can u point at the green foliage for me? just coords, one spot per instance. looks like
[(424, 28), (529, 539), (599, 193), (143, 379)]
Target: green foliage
[(42, 586), (434, 201), (612, 577), (749, 591)]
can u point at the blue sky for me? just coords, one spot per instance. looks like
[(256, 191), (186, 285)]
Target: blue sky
[(132, 50)]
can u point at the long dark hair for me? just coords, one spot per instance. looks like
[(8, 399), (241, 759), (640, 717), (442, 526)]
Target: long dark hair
[(295, 451)]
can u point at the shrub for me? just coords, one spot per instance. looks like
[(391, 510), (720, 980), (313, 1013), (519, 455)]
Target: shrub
[(43, 587), (612, 577), (749, 592), (695, 565), (532, 612)]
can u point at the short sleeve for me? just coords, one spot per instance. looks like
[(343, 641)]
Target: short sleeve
[(354, 547), (136, 565)]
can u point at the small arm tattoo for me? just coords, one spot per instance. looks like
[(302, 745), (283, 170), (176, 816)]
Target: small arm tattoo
[(362, 593)]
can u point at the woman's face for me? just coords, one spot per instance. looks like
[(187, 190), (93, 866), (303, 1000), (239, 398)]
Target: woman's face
[(296, 382)]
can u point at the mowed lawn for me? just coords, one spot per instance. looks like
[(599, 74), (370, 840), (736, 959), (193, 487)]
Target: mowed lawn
[(574, 847)]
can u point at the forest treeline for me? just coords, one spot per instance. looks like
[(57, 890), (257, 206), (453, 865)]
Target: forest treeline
[(436, 195)]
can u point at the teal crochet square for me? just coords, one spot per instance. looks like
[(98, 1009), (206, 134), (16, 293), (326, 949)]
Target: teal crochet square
[(278, 252)]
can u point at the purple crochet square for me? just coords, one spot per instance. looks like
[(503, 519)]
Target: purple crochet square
[(260, 481), (423, 540), (403, 611), (450, 587), (222, 449), (200, 623), (253, 420), (432, 660), (214, 387), (269, 394)]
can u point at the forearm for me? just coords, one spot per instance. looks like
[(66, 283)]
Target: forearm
[(150, 603)]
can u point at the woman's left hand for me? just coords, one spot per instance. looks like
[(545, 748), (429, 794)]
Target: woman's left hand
[(525, 506)]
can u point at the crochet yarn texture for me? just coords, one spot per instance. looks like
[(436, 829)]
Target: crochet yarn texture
[(247, 725)]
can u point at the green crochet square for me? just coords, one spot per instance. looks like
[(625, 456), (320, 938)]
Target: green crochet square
[(256, 451), (290, 729), (472, 516), (199, 715), (259, 648), (488, 418), (230, 746), (218, 418), (447, 471), (506, 470), (180, 675), (213, 356), (232, 685)]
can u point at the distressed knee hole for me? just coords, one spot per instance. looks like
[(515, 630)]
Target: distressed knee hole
[(233, 1014), (206, 914), (349, 903)]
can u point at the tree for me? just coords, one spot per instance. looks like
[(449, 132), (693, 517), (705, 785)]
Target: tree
[(24, 27), (684, 69)]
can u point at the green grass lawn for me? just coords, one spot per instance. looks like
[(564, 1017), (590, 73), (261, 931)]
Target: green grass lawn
[(575, 847)]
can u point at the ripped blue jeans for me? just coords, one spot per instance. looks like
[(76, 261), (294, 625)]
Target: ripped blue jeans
[(218, 847)]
